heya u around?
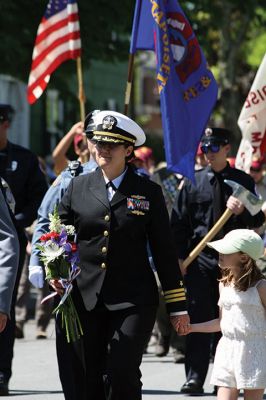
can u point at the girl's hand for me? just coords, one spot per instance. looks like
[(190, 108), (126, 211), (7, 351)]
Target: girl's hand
[(57, 286)]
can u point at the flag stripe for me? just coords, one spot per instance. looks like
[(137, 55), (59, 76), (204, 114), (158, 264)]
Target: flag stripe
[(58, 39), (56, 27), (68, 39), (42, 68), (46, 23), (40, 82), (49, 39), (53, 65)]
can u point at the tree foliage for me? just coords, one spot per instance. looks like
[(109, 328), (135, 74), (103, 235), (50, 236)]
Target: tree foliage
[(231, 34)]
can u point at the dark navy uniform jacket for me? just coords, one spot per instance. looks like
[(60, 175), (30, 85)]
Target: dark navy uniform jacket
[(20, 169), (192, 215), (112, 241)]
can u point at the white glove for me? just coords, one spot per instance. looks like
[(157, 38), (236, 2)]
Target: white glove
[(36, 275)]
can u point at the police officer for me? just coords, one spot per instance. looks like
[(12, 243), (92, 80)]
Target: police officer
[(9, 252), (19, 167), (115, 211), (197, 207)]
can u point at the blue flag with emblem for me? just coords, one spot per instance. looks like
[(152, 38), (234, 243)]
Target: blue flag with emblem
[(187, 88)]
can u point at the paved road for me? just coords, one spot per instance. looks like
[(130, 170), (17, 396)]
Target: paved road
[(35, 373)]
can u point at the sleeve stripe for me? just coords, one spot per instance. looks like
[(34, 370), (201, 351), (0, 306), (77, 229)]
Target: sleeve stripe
[(175, 300), (172, 296), (174, 291)]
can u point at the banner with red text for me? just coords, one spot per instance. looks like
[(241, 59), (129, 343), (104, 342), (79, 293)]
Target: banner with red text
[(252, 122)]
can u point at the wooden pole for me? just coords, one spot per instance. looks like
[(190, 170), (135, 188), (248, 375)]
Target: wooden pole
[(210, 235), (81, 94), (81, 97), (129, 82)]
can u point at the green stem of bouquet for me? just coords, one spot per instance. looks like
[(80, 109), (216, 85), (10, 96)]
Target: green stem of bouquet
[(69, 319)]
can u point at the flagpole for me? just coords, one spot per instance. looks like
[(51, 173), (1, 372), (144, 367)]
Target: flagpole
[(129, 82), (81, 94)]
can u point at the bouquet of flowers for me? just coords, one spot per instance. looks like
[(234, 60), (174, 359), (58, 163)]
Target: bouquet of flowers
[(60, 257)]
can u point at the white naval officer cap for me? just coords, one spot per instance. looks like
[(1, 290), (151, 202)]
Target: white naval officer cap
[(113, 127)]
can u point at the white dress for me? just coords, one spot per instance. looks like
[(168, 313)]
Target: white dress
[(240, 359)]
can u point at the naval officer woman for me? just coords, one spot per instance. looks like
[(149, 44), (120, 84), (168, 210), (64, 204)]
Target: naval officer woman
[(116, 213)]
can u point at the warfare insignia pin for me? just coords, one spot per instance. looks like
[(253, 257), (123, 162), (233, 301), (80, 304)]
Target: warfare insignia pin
[(137, 212), (137, 196), (108, 122)]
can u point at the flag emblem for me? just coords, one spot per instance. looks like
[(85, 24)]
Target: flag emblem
[(184, 46), (57, 40)]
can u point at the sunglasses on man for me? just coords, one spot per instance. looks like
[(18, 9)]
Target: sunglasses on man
[(212, 147)]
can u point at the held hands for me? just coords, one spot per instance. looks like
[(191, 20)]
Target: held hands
[(3, 320), (235, 205), (36, 275), (181, 323)]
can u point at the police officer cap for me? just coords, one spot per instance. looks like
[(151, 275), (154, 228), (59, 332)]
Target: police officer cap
[(216, 135), (6, 112), (113, 127)]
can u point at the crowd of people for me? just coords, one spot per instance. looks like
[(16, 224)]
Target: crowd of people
[(136, 223)]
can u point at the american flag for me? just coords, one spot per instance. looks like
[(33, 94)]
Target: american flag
[(58, 39)]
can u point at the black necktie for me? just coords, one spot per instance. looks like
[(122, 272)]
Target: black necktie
[(218, 200), (110, 184)]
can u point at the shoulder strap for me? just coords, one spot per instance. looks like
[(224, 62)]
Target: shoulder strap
[(74, 168)]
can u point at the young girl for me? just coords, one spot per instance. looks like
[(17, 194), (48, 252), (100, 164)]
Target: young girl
[(240, 360)]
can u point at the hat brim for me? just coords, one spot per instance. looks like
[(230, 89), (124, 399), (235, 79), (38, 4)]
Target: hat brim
[(214, 140), (112, 138), (223, 246)]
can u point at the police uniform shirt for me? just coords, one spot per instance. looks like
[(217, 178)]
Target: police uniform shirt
[(20, 169), (192, 215), (3, 163)]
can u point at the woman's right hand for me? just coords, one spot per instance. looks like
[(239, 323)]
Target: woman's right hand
[(57, 286)]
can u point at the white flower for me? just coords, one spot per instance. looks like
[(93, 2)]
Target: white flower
[(52, 251), (70, 230), (55, 223)]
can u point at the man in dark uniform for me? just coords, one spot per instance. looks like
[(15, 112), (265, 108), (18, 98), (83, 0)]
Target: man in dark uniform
[(197, 207), (19, 167), (115, 212)]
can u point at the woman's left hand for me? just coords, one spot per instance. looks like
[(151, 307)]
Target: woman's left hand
[(180, 323)]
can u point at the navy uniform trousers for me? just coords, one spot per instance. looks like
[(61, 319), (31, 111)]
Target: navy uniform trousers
[(112, 346)]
